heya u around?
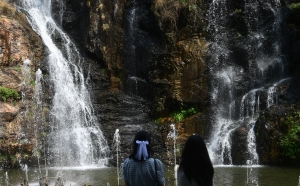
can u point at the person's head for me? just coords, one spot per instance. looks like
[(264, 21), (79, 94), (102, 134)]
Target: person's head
[(141, 137), (195, 161)]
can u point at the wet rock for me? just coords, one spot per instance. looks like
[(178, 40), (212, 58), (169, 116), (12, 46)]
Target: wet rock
[(44, 181), (239, 149), (269, 129), (60, 181), (18, 42), (8, 112)]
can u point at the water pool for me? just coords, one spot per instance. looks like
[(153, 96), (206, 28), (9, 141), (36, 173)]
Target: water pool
[(224, 175)]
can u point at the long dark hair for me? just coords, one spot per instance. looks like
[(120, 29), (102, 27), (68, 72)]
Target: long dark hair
[(141, 136), (195, 161)]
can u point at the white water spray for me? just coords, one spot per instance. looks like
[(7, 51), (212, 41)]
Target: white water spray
[(173, 135), (6, 179), (271, 94), (26, 172), (116, 144), (26, 74), (74, 128)]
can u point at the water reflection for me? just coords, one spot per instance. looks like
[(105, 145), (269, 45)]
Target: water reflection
[(224, 176)]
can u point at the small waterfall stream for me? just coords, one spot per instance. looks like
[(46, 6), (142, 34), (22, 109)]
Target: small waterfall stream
[(234, 107), (75, 138)]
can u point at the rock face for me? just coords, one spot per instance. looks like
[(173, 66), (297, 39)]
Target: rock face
[(18, 42), (140, 49), (145, 60), (8, 112), (274, 123), (143, 67)]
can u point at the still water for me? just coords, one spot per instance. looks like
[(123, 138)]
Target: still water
[(224, 175)]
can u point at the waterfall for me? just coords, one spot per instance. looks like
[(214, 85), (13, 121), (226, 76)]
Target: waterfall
[(130, 64), (75, 138), (235, 107)]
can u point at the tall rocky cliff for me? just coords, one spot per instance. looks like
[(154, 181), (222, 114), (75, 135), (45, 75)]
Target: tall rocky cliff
[(145, 61)]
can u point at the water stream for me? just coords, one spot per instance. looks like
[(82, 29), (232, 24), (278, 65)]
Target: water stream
[(116, 145), (75, 138), (231, 108)]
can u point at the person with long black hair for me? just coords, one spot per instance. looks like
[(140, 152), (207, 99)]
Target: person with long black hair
[(195, 168), (139, 169)]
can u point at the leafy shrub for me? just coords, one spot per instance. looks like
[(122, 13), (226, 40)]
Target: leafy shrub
[(178, 116), (294, 6), (290, 142), (7, 93)]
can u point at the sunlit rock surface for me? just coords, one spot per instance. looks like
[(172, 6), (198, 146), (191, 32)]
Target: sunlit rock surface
[(18, 42)]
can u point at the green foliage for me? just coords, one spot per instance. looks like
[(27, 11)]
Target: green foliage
[(294, 6), (43, 134), (32, 82), (13, 160), (290, 142), (192, 7), (103, 71), (120, 75), (178, 116), (159, 120), (237, 11), (6, 93), (17, 68), (36, 153), (2, 157)]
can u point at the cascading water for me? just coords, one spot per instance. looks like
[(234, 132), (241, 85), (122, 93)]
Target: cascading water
[(130, 63), (233, 106), (75, 138), (136, 43)]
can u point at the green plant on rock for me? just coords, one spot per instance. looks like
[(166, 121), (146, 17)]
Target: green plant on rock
[(32, 82), (192, 7), (178, 116), (294, 6), (2, 157), (159, 120), (290, 142), (13, 160), (6, 93), (17, 68), (237, 11)]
